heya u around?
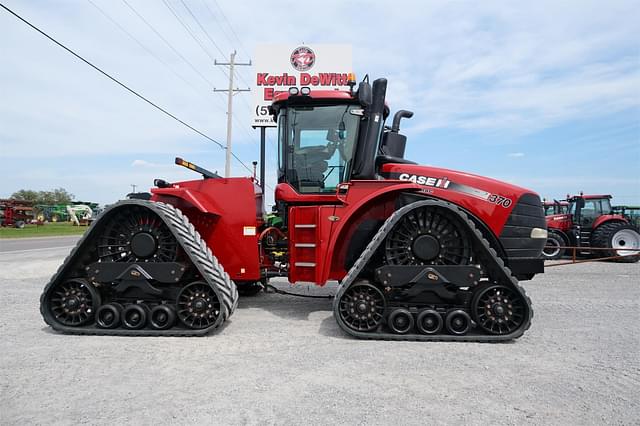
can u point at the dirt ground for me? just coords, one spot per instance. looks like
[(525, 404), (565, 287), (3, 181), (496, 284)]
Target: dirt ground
[(283, 360)]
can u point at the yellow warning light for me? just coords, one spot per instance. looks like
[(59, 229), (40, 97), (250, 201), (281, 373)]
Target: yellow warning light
[(351, 78)]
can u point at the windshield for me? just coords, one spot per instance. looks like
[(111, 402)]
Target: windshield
[(316, 146)]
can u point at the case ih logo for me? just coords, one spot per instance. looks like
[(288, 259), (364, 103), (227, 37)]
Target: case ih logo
[(303, 58)]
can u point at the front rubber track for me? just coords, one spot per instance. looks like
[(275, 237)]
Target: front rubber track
[(490, 261), (192, 244)]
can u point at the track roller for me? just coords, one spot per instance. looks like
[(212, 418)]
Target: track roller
[(109, 315), (134, 316), (400, 321), (162, 317), (429, 322), (458, 322)]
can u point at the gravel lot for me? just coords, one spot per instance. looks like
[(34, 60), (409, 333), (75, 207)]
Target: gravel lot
[(283, 360)]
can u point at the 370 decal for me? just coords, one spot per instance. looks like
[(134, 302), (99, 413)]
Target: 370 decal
[(499, 200)]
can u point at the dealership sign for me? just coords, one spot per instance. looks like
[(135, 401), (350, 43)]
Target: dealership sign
[(281, 66)]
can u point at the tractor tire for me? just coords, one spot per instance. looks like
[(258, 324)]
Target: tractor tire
[(19, 224), (618, 235), (553, 250), (55, 218)]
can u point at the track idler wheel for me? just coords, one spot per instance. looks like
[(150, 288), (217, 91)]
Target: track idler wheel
[(162, 317), (134, 316), (73, 302), (458, 322), (109, 315), (429, 322), (198, 306), (400, 321), (498, 309), (362, 307)]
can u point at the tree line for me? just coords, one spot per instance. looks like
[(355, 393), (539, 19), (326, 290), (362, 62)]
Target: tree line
[(55, 196)]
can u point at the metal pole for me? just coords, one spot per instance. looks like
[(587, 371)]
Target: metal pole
[(230, 92), (227, 164), (263, 140)]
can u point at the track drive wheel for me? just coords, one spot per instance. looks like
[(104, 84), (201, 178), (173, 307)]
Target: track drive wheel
[(72, 303), (617, 236), (362, 307), (498, 310), (553, 250)]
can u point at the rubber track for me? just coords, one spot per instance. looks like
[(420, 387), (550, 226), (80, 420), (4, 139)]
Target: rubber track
[(193, 245), (491, 261)]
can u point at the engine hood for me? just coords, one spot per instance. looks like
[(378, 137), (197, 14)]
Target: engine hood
[(489, 199)]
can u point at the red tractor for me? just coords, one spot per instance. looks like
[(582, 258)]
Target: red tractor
[(15, 213), (555, 207), (420, 253), (591, 223)]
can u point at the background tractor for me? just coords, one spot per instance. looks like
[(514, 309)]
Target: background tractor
[(420, 253), (555, 207), (591, 223), (15, 213)]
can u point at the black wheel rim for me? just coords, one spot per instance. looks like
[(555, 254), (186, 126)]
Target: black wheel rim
[(428, 236), (429, 322), (137, 234), (108, 316), (162, 317), (362, 307), (73, 302), (401, 321), (134, 317), (458, 322), (499, 310), (198, 305)]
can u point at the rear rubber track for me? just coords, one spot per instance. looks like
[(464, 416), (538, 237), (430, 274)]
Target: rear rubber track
[(194, 247), (490, 260)]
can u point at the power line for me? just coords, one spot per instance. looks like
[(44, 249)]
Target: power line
[(193, 36), (167, 43), (206, 33), (149, 51), (122, 84), (230, 27)]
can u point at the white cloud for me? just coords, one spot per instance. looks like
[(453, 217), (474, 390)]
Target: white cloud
[(515, 154)]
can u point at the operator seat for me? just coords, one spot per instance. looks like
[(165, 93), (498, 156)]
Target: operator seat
[(310, 164)]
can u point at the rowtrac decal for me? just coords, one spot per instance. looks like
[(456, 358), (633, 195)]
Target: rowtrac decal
[(444, 183)]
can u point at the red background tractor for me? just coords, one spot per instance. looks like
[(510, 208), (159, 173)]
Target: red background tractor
[(591, 223)]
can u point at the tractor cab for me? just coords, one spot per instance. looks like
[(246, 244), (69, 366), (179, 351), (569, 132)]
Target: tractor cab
[(586, 209), (328, 137)]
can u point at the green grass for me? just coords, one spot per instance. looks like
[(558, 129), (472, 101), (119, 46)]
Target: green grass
[(46, 230)]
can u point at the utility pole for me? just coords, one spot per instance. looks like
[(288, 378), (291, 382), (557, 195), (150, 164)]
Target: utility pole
[(230, 92)]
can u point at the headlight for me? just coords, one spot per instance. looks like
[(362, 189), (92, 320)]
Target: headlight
[(539, 233)]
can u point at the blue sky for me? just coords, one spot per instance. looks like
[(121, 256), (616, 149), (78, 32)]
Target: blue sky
[(545, 95)]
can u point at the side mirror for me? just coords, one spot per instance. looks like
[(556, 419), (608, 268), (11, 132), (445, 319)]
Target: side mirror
[(365, 97)]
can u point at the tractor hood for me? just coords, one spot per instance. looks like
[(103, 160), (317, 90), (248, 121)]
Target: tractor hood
[(484, 197)]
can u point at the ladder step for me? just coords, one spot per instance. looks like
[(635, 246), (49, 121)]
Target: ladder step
[(305, 264), (305, 245), (305, 225)]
